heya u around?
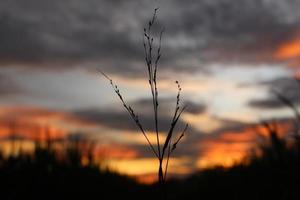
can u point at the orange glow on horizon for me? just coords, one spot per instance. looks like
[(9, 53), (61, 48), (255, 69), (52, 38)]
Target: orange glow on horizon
[(223, 154), (231, 147), (140, 166), (116, 151), (288, 50), (120, 153)]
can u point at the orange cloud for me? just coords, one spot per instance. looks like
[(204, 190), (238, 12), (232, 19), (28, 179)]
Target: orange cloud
[(28, 132), (38, 123), (232, 147), (116, 151), (223, 154), (289, 51)]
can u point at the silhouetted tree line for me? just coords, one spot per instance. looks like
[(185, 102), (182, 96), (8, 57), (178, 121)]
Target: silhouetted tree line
[(272, 173), (72, 172)]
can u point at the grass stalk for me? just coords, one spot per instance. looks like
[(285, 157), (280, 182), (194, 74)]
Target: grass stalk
[(164, 148)]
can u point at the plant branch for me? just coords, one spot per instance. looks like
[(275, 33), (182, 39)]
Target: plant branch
[(152, 70), (130, 111)]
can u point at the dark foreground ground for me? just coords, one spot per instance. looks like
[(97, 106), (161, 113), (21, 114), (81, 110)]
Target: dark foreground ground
[(274, 175)]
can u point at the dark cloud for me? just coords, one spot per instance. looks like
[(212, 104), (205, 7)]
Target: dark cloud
[(246, 31), (61, 30), (144, 109), (269, 103), (110, 32), (229, 125), (121, 120), (8, 86), (287, 87), (167, 106), (194, 108)]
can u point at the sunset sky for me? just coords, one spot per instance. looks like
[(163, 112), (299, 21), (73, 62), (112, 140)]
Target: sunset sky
[(227, 55)]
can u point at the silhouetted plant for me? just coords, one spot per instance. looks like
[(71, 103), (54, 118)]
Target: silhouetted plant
[(286, 101), (163, 149), (275, 148), (289, 103)]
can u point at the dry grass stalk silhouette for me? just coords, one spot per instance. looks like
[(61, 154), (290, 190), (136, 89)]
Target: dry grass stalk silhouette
[(162, 149), (287, 102)]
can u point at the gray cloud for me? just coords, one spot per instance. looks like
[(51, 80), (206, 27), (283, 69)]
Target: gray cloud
[(269, 103), (194, 108), (8, 86), (287, 87), (143, 108), (110, 32), (167, 105)]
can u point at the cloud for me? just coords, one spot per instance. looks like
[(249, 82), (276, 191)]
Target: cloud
[(194, 108), (33, 122), (268, 103), (233, 145), (8, 87), (63, 31), (120, 119), (167, 105), (287, 87), (109, 32), (228, 125)]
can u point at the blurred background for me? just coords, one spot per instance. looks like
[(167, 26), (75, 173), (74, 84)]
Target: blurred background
[(229, 56)]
